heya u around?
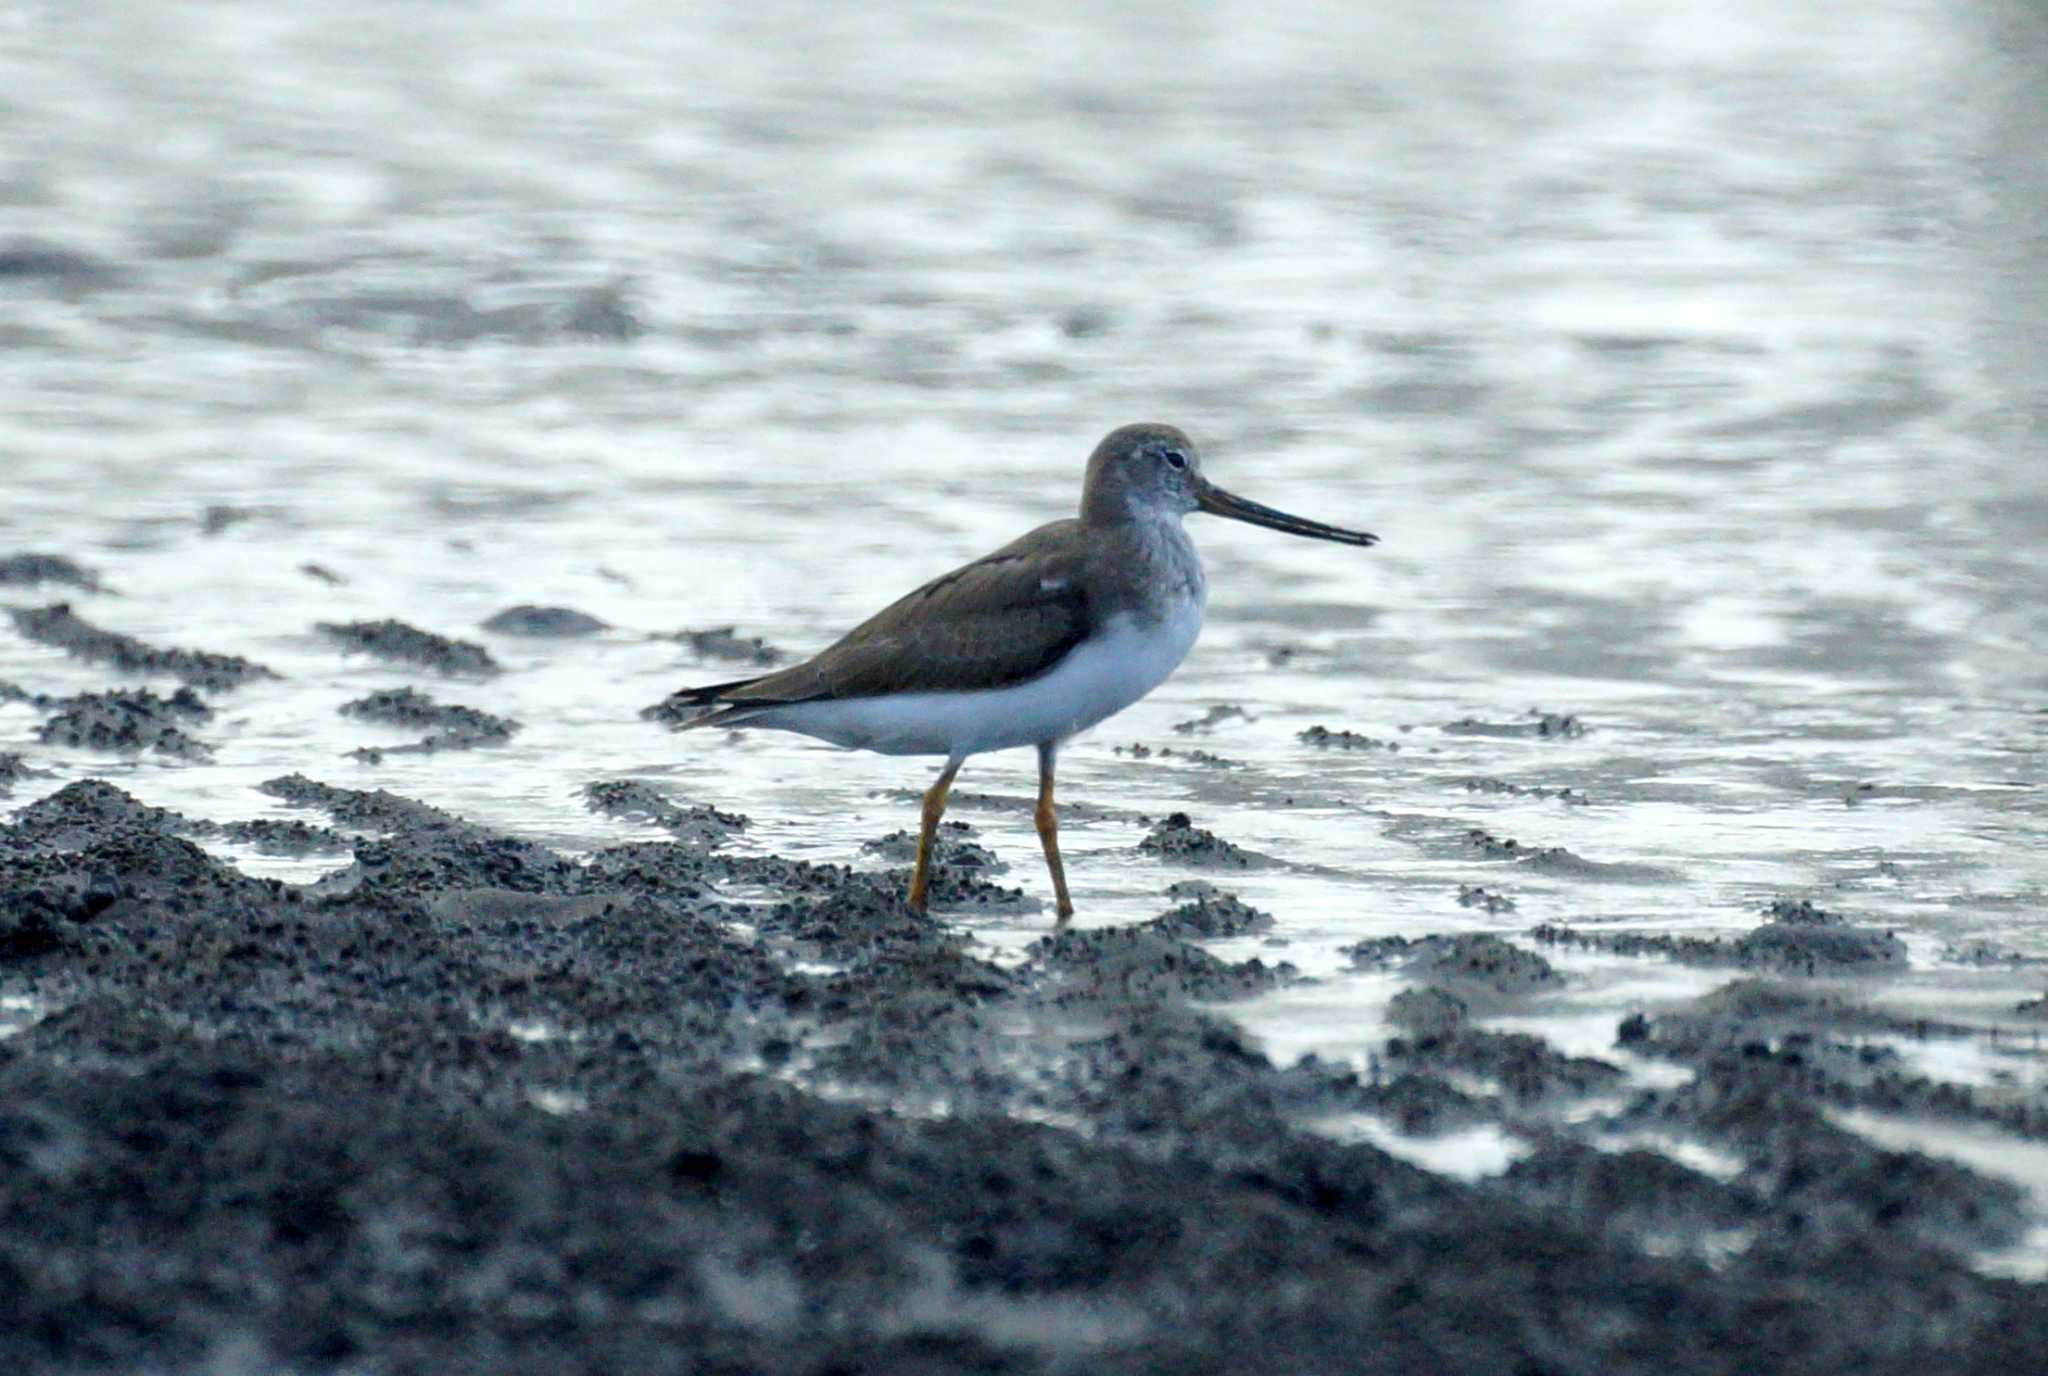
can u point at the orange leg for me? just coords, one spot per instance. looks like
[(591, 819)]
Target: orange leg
[(1049, 833), (934, 808)]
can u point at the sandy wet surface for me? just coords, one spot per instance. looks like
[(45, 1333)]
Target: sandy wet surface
[(1599, 929)]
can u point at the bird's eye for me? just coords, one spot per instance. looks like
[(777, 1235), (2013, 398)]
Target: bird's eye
[(1175, 458)]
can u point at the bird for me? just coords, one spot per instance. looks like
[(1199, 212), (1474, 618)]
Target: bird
[(1055, 632)]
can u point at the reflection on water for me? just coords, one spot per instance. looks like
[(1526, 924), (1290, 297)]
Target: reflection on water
[(1690, 365)]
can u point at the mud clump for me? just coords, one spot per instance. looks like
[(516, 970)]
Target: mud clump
[(1428, 1011), (1177, 838), (556, 623), (631, 799), (31, 260), (450, 727), (1206, 911), (1569, 796), (127, 722), (402, 644), (1536, 723), (1797, 938), (725, 643), (1527, 1069), (952, 848), (1767, 1036), (274, 836), (1472, 965), (1557, 860), (1323, 738), (29, 570), (423, 849), (1211, 719), (57, 625), (1125, 963), (1486, 900)]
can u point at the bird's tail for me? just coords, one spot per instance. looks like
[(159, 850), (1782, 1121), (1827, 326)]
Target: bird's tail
[(687, 708)]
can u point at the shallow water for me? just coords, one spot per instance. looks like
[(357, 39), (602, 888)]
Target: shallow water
[(1692, 369)]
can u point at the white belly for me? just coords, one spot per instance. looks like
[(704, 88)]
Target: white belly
[(1099, 678)]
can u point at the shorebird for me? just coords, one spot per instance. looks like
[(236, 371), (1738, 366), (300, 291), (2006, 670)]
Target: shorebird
[(1053, 633)]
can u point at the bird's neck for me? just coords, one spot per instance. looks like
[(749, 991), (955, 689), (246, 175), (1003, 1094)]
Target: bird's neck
[(1162, 571)]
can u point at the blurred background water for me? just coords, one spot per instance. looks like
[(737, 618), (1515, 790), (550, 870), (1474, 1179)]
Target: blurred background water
[(1692, 363)]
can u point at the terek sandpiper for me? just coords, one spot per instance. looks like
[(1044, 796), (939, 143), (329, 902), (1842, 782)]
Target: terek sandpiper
[(1051, 634)]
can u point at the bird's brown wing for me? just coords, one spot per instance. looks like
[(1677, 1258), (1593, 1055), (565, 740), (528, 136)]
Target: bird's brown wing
[(997, 621)]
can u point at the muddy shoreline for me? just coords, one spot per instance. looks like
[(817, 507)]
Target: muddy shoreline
[(471, 1104)]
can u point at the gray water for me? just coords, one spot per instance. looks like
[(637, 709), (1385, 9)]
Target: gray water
[(1692, 365)]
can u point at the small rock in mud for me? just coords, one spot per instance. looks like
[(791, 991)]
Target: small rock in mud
[(1323, 738), (1545, 725), (57, 625), (451, 727), (12, 771), (635, 800), (1469, 963), (2035, 1009), (1120, 964), (28, 570), (724, 643), (550, 622), (1472, 896), (402, 644), (323, 574), (950, 848), (1207, 911), (1178, 838), (128, 721), (1209, 720)]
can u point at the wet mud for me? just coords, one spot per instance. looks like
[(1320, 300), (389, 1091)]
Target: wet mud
[(1597, 932), (469, 1104)]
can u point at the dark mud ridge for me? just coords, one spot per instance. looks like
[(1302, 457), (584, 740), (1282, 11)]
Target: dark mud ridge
[(448, 726), (57, 625), (468, 1105), (544, 622), (399, 643)]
